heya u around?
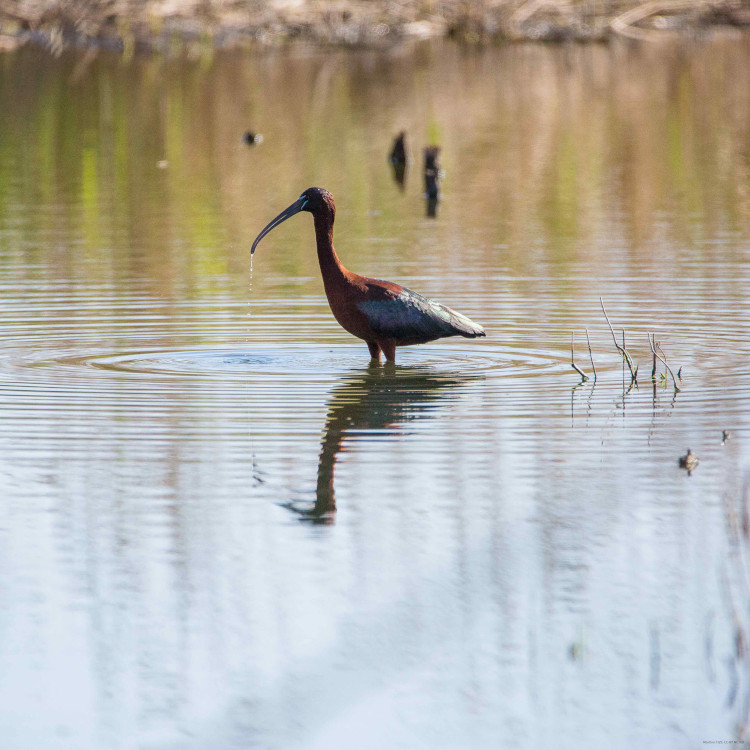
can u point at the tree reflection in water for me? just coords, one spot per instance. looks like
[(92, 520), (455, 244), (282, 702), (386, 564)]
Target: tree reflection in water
[(377, 398)]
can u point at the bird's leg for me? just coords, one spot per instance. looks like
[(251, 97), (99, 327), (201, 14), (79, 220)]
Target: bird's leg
[(389, 349), (374, 350)]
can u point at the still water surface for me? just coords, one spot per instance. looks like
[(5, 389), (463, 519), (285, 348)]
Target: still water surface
[(219, 528)]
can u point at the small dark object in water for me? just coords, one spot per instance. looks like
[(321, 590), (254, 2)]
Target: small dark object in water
[(432, 207), (398, 159), (432, 172), (689, 461), (398, 152), (399, 173), (251, 139), (725, 435), (432, 176)]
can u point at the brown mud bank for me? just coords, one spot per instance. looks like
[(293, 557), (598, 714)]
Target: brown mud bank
[(168, 25)]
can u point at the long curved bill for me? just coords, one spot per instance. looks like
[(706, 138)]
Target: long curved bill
[(295, 208)]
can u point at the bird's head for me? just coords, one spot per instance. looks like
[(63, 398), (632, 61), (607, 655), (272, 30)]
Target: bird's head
[(317, 201)]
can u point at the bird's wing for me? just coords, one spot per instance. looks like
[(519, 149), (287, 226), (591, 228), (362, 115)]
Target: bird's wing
[(406, 315)]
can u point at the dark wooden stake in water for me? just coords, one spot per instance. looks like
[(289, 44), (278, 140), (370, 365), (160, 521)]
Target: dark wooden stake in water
[(384, 314), (398, 159), (398, 153), (432, 179)]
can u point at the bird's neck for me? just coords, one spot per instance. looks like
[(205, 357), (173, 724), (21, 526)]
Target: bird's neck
[(330, 265)]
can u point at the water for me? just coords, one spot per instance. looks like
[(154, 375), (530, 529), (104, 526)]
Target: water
[(219, 528)]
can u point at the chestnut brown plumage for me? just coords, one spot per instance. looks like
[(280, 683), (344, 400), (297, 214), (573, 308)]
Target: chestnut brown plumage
[(385, 315)]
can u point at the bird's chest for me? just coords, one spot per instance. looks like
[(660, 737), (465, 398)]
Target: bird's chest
[(343, 301)]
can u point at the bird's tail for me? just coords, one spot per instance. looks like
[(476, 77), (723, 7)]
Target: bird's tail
[(466, 327)]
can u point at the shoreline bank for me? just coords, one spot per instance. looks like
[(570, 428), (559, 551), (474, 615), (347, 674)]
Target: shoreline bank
[(170, 25)]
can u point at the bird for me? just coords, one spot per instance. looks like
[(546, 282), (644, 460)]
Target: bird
[(384, 314)]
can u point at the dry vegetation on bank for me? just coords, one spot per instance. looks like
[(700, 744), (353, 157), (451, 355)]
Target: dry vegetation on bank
[(162, 25)]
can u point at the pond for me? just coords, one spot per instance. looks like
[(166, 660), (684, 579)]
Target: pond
[(221, 528)]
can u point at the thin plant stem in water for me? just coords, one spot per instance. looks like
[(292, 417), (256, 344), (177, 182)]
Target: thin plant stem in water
[(655, 349), (626, 357), (591, 356), (583, 375)]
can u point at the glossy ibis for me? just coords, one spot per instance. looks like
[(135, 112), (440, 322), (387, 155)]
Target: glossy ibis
[(384, 314)]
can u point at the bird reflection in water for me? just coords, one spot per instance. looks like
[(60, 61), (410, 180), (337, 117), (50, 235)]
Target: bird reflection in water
[(375, 399)]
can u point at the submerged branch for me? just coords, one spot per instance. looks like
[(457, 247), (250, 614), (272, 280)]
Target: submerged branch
[(624, 24)]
